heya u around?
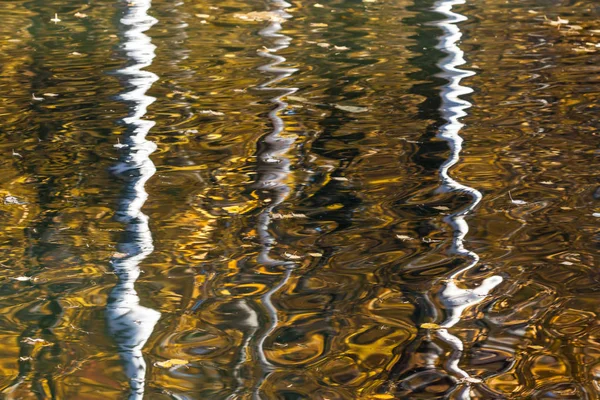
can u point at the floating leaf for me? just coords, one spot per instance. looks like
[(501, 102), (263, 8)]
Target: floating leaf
[(297, 98), (517, 202), (211, 112), (29, 340), (352, 109), (290, 256), (22, 278), (80, 15), (559, 21), (429, 325), (260, 16), (404, 238), (170, 363)]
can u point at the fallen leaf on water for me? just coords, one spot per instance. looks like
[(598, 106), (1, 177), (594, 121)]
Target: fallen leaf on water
[(429, 325), (80, 15), (404, 238), (315, 254), (50, 95), (352, 109), (297, 98), (22, 278), (29, 340), (340, 178), (120, 145), (260, 16), (318, 25), (559, 21), (324, 45), (318, 5), (170, 363), (211, 112), (441, 208), (288, 216), (203, 16), (292, 256), (518, 202), (118, 255), (341, 48)]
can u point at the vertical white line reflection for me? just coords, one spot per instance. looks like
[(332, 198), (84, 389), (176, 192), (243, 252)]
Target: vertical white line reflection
[(129, 323), (453, 298), (273, 170)]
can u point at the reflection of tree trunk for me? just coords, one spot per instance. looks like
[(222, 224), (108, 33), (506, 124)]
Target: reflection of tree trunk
[(273, 170), (129, 323), (39, 348), (452, 299)]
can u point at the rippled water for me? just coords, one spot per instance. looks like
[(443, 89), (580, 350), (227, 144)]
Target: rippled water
[(308, 200)]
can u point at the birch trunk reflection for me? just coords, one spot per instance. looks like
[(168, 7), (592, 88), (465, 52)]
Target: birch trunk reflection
[(129, 323), (273, 170), (454, 299)]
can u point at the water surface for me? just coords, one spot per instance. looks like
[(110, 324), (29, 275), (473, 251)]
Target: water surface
[(299, 200)]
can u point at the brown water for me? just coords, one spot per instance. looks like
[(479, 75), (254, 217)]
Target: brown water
[(260, 200)]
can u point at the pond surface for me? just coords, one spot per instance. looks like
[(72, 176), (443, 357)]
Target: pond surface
[(344, 199)]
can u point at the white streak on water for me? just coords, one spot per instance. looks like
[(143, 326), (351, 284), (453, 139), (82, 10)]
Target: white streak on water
[(129, 323), (273, 170), (453, 298)]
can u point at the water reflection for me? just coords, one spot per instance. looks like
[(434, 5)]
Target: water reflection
[(129, 323), (441, 306), (273, 170), (454, 299)]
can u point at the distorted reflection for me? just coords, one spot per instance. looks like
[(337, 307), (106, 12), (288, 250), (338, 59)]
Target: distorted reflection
[(129, 323), (273, 169), (454, 299), (446, 294)]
